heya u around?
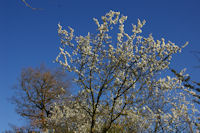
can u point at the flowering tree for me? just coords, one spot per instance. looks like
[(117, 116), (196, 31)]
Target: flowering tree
[(122, 87)]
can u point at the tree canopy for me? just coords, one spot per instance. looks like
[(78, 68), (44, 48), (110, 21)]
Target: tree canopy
[(36, 91), (122, 82)]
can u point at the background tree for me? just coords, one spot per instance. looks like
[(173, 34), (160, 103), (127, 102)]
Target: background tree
[(23, 129), (36, 90), (122, 83)]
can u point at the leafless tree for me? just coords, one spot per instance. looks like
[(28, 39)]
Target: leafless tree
[(22, 129), (36, 91)]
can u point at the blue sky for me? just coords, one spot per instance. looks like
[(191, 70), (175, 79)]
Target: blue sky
[(29, 37)]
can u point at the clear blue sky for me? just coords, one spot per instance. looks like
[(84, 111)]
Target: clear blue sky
[(28, 37)]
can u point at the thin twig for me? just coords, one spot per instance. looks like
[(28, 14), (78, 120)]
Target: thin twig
[(28, 5)]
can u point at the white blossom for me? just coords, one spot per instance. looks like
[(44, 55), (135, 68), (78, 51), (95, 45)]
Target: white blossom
[(120, 81)]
